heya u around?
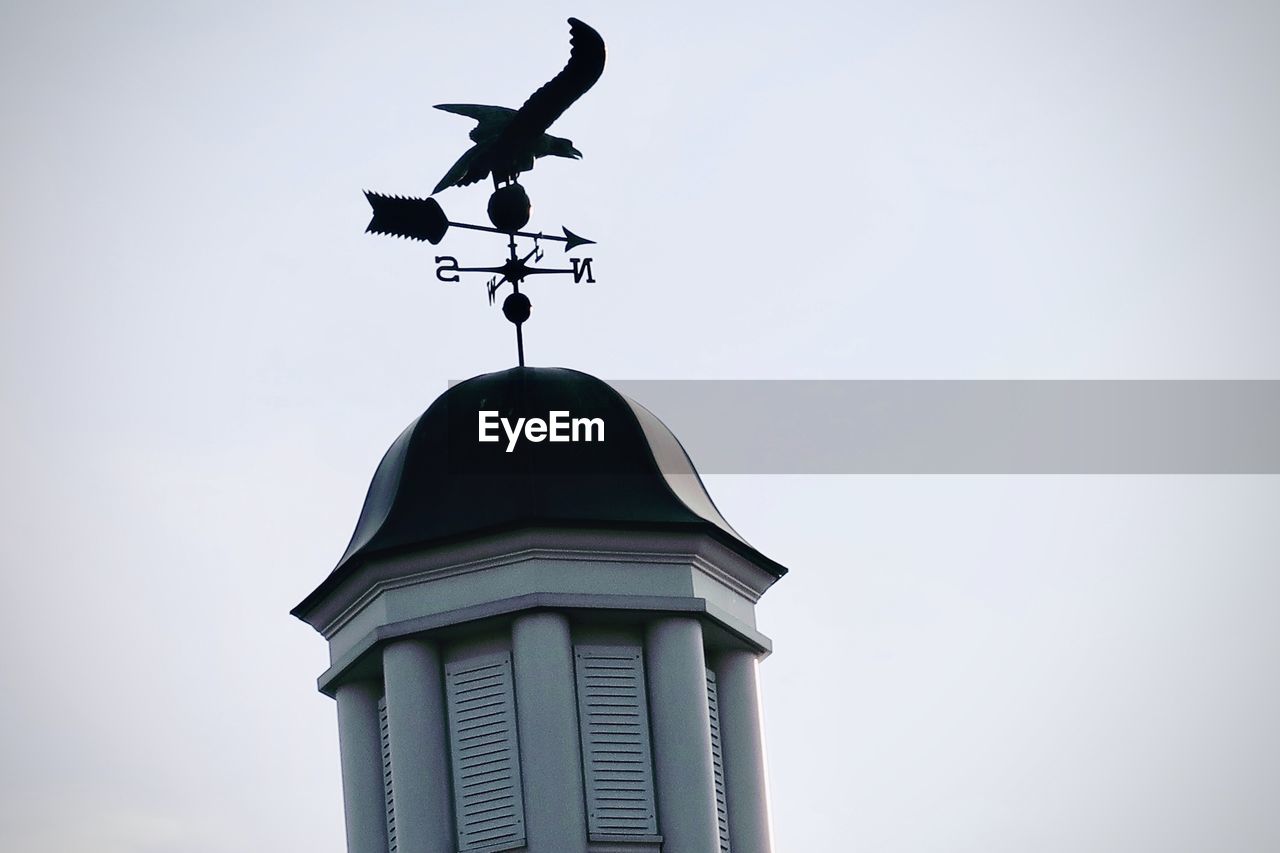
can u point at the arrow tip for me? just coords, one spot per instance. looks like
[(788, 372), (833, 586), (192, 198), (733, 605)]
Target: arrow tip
[(573, 241)]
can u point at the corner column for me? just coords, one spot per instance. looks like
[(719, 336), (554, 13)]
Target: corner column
[(681, 723), (550, 754), (360, 744), (416, 727), (746, 781)]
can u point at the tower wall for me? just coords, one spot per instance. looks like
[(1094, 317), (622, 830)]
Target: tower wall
[(565, 712)]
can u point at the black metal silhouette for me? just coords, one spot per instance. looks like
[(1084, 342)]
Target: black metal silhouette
[(424, 219), (507, 141)]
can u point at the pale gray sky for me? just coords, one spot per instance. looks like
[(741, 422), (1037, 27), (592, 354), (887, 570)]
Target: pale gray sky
[(204, 358)]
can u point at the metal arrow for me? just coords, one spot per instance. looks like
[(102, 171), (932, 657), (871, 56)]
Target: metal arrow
[(424, 219)]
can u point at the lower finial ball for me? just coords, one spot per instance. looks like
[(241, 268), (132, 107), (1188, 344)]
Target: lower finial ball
[(509, 208), (516, 308)]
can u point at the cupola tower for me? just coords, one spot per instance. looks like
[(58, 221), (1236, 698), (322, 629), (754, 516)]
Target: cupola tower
[(542, 637)]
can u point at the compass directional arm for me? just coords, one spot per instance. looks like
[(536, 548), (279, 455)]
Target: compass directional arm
[(481, 269)]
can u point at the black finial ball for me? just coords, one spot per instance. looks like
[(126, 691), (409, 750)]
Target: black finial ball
[(509, 208), (516, 308)]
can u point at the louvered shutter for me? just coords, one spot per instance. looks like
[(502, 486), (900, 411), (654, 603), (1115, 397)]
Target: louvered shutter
[(486, 761), (386, 774), (616, 759), (717, 762)]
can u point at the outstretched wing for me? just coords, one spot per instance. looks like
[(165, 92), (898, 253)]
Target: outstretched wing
[(492, 120), (586, 63), (469, 168)]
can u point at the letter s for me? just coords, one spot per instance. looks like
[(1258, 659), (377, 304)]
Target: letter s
[(446, 263)]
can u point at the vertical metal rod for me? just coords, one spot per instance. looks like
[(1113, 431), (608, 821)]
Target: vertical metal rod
[(515, 288)]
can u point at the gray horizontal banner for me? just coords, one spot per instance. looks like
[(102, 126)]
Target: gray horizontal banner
[(970, 427)]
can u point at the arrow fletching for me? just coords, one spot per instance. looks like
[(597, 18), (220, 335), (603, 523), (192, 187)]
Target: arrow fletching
[(415, 218)]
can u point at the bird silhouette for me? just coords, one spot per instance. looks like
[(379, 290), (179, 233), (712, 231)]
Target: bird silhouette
[(507, 141)]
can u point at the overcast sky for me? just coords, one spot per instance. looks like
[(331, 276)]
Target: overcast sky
[(204, 359)]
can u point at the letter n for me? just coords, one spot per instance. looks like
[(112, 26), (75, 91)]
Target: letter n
[(582, 267)]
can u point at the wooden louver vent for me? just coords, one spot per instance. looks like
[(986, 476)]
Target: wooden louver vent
[(717, 762), (488, 799), (616, 758), (386, 774)]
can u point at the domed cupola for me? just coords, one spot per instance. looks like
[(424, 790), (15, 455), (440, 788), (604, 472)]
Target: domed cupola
[(604, 461)]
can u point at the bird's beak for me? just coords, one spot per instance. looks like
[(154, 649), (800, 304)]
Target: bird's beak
[(575, 153)]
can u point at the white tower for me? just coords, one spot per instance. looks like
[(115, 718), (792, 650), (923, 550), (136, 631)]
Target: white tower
[(549, 646)]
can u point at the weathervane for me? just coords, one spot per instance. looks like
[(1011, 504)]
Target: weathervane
[(506, 143)]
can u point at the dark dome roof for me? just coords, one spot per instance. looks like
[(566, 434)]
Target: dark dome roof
[(438, 483)]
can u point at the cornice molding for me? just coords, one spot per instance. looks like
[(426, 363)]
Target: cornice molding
[(699, 552)]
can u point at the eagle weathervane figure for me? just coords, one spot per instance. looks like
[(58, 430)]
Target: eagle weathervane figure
[(507, 142)]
